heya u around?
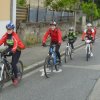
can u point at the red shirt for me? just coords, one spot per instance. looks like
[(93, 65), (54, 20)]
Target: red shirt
[(56, 35), (88, 32), (17, 42)]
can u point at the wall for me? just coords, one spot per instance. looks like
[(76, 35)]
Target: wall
[(6, 14)]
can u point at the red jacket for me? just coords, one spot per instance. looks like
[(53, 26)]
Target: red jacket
[(56, 35), (17, 42), (85, 33)]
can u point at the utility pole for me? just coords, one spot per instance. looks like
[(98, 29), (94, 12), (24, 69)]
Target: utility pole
[(37, 12)]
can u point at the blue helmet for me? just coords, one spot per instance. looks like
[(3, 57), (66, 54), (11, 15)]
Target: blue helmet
[(10, 26)]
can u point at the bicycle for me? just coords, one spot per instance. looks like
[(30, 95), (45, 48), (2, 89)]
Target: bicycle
[(68, 52), (51, 62), (88, 48), (6, 72)]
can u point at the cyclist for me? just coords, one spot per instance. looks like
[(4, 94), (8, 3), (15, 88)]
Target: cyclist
[(56, 37), (89, 33), (71, 37), (11, 39)]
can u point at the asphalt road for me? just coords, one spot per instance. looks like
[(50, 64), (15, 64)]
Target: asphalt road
[(75, 82)]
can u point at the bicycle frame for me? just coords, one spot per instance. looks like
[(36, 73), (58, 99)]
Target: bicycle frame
[(68, 46)]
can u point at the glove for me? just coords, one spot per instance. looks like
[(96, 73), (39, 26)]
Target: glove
[(59, 43), (43, 44)]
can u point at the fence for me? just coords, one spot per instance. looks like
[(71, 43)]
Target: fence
[(22, 13), (45, 15)]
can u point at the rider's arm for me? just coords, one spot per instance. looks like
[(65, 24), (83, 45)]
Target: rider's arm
[(45, 36), (83, 35), (59, 36), (3, 39), (15, 44), (93, 34)]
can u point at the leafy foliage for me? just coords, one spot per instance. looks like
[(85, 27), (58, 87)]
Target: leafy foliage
[(61, 4), (21, 2), (90, 9)]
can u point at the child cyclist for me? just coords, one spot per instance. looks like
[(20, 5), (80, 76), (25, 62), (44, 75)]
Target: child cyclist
[(11, 39)]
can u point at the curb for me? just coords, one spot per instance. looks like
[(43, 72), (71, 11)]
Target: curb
[(39, 64)]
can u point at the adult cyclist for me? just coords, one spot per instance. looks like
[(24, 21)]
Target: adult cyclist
[(89, 33), (56, 37), (11, 39)]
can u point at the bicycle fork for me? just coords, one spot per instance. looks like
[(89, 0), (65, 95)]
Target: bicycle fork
[(88, 46)]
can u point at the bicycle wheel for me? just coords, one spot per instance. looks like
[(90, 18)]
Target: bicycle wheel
[(87, 54), (20, 69), (48, 66), (70, 53), (66, 55), (2, 80)]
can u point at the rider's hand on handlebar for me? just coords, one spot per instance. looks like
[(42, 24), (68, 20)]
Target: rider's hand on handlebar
[(83, 40), (43, 44), (10, 52)]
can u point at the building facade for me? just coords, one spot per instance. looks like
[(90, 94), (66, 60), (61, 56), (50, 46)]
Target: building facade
[(7, 14)]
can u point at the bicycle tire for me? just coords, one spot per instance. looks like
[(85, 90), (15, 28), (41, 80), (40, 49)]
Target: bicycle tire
[(66, 55), (87, 54), (48, 66), (70, 53), (3, 79), (20, 69), (56, 68)]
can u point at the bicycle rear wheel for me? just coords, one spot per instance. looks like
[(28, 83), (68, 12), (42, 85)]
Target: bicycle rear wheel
[(48, 66), (20, 69)]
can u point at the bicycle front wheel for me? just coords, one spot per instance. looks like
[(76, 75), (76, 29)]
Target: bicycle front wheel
[(87, 54), (2, 79), (20, 69), (66, 55), (48, 66)]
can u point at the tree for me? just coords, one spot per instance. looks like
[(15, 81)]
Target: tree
[(90, 9), (61, 4), (21, 2)]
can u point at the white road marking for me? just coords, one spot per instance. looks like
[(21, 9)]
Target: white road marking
[(48, 71)]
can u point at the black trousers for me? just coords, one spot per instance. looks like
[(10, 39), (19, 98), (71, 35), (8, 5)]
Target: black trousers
[(71, 42), (57, 49), (15, 59)]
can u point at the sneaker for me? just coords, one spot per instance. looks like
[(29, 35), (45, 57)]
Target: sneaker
[(91, 54), (15, 82)]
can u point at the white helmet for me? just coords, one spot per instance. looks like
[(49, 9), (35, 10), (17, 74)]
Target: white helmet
[(89, 25), (71, 29)]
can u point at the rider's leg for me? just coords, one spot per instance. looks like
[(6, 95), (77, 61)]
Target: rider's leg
[(58, 53), (15, 58)]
